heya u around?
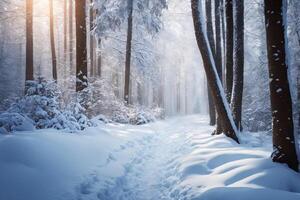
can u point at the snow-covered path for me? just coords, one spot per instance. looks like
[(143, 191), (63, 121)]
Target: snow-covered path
[(178, 159), (175, 159), (151, 170)]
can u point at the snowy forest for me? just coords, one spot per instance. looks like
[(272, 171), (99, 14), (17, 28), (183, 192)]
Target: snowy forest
[(149, 99)]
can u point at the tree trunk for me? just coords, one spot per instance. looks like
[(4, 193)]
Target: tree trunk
[(284, 143), (218, 49), (65, 33), (210, 33), (218, 94), (91, 23), (229, 48), (238, 67), (218, 54), (29, 40), (99, 58), (81, 45), (211, 108), (65, 46), (223, 31), (128, 52), (298, 94), (209, 25), (71, 37), (52, 41)]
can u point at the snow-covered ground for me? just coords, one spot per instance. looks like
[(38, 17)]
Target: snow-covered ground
[(172, 159)]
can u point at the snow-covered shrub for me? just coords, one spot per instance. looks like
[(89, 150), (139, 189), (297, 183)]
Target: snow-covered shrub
[(136, 115), (10, 122), (99, 99), (75, 115), (145, 115), (5, 103), (42, 105)]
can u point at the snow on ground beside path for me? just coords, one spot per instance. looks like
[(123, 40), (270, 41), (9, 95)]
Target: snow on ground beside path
[(173, 159)]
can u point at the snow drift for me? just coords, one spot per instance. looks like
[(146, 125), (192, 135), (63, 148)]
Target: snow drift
[(172, 159)]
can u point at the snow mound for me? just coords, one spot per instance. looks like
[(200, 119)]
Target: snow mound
[(217, 168)]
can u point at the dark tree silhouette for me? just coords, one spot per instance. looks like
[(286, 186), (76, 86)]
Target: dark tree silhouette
[(128, 52), (210, 33), (229, 48), (81, 47), (65, 32), (71, 36), (29, 40), (218, 54), (99, 58), (284, 143), (52, 41), (92, 41), (238, 63)]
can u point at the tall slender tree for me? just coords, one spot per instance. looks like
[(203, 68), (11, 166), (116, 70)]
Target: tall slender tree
[(218, 54), (29, 40), (71, 36), (209, 25), (229, 48), (81, 45), (210, 33), (52, 41), (91, 23), (65, 36), (223, 38), (218, 93), (65, 32), (99, 57), (98, 67), (284, 142), (218, 45), (238, 66), (128, 51)]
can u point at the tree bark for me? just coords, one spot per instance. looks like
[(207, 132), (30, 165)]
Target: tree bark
[(65, 33), (298, 88), (29, 41), (218, 94), (99, 59), (238, 67), (284, 143), (210, 33), (52, 42), (211, 108), (218, 56), (81, 45), (128, 52), (218, 50), (209, 25), (223, 31), (91, 9), (229, 48), (71, 37)]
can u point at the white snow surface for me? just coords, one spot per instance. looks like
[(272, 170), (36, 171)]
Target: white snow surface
[(172, 159)]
